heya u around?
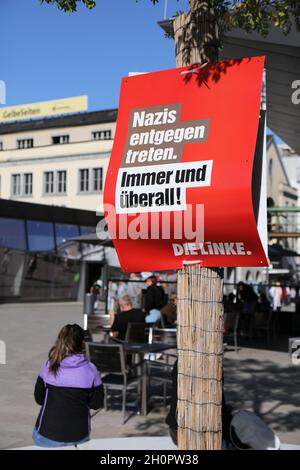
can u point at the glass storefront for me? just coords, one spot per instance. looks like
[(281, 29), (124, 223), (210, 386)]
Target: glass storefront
[(40, 236), (12, 233), (36, 262), (63, 232)]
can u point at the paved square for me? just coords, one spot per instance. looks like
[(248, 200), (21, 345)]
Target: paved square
[(254, 378)]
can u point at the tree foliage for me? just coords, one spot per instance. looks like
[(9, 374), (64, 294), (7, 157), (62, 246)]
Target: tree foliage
[(70, 6), (249, 15)]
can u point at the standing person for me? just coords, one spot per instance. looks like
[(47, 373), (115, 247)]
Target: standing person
[(95, 291), (5, 261), (248, 297), (67, 387), (154, 299), (134, 290), (127, 315), (276, 296)]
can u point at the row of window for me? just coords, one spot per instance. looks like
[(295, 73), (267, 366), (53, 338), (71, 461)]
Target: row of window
[(34, 235), (55, 182), (61, 139)]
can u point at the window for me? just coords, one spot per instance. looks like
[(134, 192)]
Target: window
[(12, 233), (49, 182), (87, 230), (61, 181), (84, 181), (28, 184), (63, 232), (1, 146), (25, 143), (270, 167), (40, 236), (90, 180), (55, 182), (102, 135), (16, 185), (22, 184), (60, 139), (97, 179)]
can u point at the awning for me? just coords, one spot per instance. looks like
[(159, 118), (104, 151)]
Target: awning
[(277, 251), (282, 69), (92, 239)]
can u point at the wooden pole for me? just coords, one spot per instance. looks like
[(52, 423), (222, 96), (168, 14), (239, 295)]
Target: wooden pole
[(200, 290)]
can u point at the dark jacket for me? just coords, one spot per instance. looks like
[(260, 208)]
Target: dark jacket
[(135, 315), (66, 399), (154, 297)]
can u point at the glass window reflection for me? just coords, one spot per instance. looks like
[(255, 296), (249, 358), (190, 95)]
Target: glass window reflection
[(12, 233), (63, 232), (40, 236), (87, 230)]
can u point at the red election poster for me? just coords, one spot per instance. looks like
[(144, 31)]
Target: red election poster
[(179, 182)]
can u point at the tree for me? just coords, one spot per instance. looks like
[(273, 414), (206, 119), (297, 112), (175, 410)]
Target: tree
[(250, 15), (70, 6), (198, 36)]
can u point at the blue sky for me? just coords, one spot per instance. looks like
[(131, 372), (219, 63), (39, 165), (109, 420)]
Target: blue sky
[(47, 54)]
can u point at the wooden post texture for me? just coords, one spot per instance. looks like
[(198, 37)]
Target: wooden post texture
[(200, 290)]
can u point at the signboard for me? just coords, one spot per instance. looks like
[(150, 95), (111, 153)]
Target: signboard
[(44, 108), (294, 351), (181, 186)]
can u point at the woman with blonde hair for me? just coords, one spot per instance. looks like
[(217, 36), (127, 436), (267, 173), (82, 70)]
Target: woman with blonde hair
[(67, 387)]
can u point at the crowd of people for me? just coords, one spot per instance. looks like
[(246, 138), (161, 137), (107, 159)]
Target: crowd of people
[(131, 303), (69, 385), (250, 302), (246, 299)]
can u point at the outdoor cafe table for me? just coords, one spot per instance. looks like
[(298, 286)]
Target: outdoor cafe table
[(141, 349)]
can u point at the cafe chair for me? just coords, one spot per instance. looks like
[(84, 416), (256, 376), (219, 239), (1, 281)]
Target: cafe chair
[(96, 323), (160, 373), (88, 337), (137, 333), (165, 335), (265, 325), (115, 373), (162, 321)]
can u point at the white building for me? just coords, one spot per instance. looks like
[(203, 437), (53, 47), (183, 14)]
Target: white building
[(282, 190), (58, 161), (291, 162)]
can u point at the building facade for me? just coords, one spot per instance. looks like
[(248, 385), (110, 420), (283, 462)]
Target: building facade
[(59, 161), (291, 162), (62, 162), (282, 192)]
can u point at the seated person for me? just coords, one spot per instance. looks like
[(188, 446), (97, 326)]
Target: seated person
[(169, 311), (154, 299), (127, 315), (67, 388)]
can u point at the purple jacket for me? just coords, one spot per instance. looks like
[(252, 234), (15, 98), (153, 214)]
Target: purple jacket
[(67, 398)]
